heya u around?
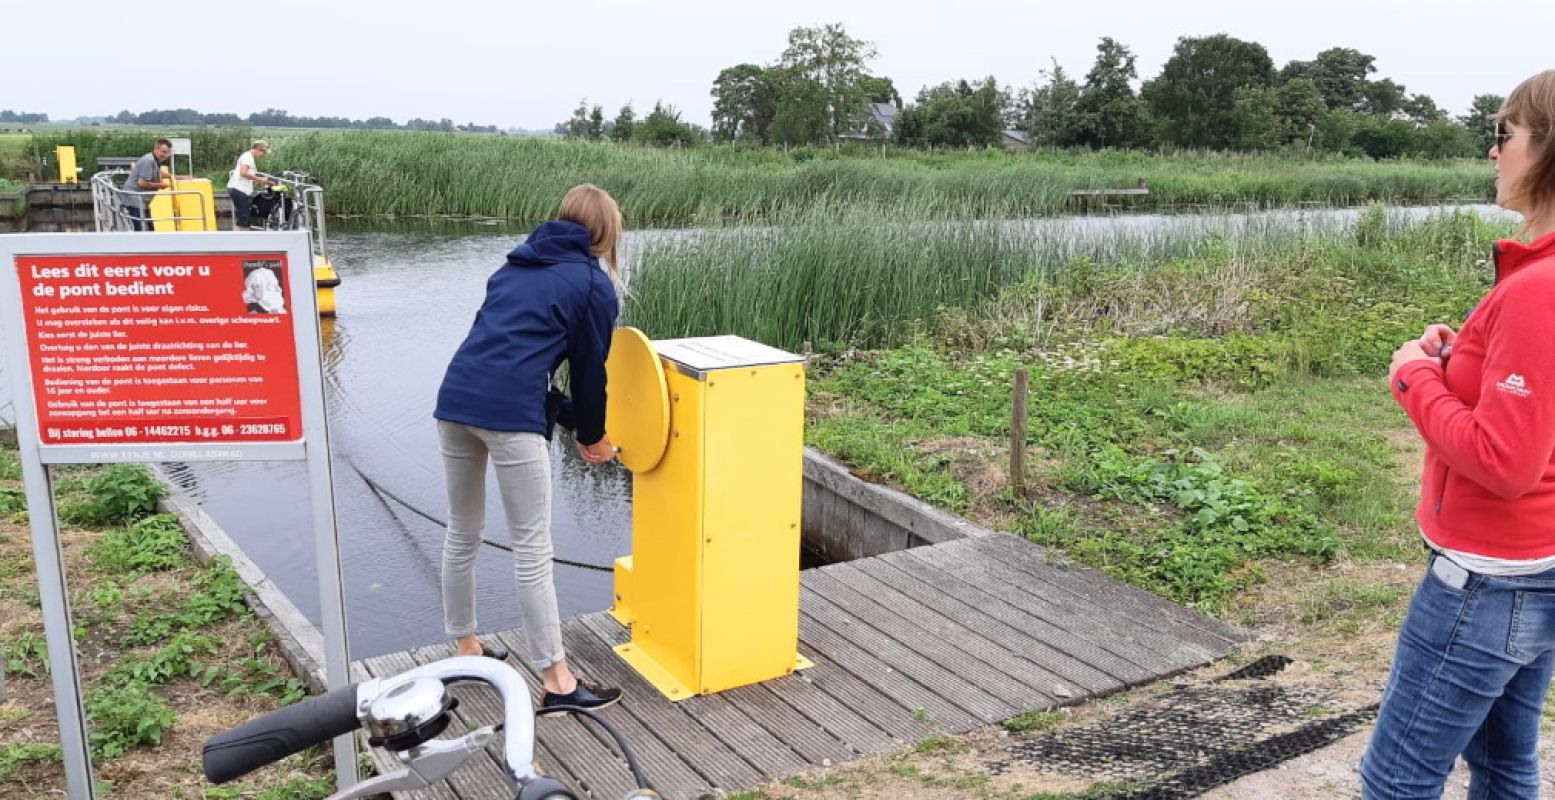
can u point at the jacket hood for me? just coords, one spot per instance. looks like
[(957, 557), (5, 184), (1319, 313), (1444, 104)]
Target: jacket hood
[(554, 242)]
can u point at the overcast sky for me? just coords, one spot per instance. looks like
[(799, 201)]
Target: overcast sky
[(526, 64)]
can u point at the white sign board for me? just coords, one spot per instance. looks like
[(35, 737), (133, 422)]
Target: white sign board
[(152, 348)]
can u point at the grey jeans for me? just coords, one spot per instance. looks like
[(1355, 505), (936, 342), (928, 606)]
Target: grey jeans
[(523, 464)]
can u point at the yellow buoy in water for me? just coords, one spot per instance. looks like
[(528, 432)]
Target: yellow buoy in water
[(325, 277)]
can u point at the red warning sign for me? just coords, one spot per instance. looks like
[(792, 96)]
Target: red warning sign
[(152, 349)]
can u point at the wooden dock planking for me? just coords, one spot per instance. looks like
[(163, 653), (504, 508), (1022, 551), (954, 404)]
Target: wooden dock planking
[(997, 620), (937, 639)]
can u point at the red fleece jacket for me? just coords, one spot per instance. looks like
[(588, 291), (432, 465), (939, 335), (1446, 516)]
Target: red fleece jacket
[(1488, 418)]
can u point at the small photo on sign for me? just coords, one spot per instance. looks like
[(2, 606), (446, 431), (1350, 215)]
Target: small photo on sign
[(262, 292)]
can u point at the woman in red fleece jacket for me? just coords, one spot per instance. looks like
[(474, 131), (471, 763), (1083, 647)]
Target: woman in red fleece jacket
[(1475, 653)]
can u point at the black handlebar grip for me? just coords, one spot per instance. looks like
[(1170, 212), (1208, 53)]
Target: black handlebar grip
[(280, 733)]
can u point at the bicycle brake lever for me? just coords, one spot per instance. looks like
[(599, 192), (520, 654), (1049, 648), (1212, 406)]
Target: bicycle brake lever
[(400, 780), (426, 764), (435, 760)]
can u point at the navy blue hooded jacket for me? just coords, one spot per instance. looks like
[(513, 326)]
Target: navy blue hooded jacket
[(550, 302)]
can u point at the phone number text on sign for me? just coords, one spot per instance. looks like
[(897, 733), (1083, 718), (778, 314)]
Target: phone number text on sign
[(161, 348)]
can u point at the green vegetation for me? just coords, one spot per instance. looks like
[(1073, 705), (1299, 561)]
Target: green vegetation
[(215, 149), (865, 276), (421, 174), (118, 493), (152, 544), (444, 174), (159, 636), (1194, 413), (15, 155), (26, 654), (14, 757), (939, 745), (1032, 721), (1214, 92)]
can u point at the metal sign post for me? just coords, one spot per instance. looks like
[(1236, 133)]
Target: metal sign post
[(132, 348)]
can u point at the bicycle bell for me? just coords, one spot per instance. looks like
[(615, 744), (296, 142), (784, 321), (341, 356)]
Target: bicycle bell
[(408, 713)]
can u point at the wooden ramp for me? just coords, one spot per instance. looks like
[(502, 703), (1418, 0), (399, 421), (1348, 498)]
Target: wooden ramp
[(933, 640)]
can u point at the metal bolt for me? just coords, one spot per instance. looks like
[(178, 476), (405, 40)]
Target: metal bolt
[(675, 397)]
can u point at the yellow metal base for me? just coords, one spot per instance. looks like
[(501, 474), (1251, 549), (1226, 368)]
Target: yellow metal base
[(619, 611), (661, 678), (665, 682)]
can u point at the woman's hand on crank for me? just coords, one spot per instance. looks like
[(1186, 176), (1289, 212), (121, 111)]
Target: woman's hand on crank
[(598, 452)]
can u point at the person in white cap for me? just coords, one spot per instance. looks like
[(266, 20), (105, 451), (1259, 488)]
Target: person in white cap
[(240, 185)]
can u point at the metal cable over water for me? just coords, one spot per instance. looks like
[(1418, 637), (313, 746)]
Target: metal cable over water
[(384, 494)]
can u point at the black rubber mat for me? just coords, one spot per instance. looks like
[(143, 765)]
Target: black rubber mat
[(1192, 739)]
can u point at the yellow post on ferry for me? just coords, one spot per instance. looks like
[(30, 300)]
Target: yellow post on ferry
[(65, 156), (188, 204), (713, 431)]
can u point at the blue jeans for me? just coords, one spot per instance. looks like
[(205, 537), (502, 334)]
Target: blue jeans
[(139, 219), (1469, 678), (242, 208)]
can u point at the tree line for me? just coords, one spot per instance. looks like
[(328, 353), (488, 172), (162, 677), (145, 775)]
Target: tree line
[(23, 117), (662, 127), (269, 118), (279, 118), (1214, 92)]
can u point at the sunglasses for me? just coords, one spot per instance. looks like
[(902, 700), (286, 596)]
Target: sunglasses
[(1504, 135)]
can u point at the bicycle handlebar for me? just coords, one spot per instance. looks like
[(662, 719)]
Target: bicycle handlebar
[(317, 720), (518, 719), (280, 733)]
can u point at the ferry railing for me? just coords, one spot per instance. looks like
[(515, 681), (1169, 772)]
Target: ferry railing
[(110, 206)]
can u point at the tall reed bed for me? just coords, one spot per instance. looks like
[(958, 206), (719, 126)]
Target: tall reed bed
[(846, 275), (416, 174)]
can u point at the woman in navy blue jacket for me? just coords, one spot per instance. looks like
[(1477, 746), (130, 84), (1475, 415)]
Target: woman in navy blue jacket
[(551, 302)]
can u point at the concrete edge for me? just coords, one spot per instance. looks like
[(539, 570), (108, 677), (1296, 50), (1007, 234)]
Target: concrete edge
[(846, 517), (300, 643)]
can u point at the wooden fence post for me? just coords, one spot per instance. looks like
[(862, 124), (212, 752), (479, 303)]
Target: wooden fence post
[(1018, 433)]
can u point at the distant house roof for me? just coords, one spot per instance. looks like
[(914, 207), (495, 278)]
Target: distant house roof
[(881, 115), (1018, 136)]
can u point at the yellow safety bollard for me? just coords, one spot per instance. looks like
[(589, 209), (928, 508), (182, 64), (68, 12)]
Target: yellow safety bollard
[(713, 431), (188, 204), (65, 155), (194, 204)]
